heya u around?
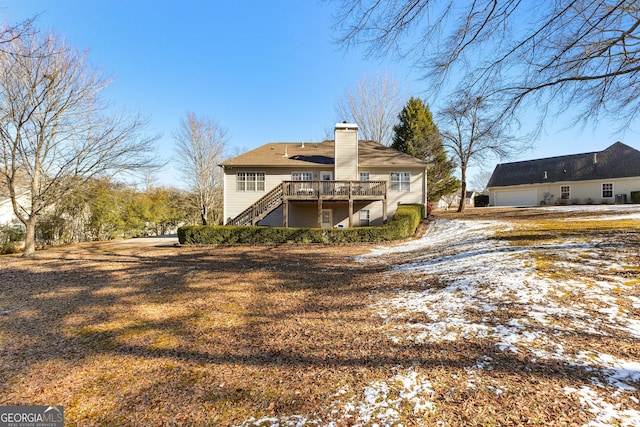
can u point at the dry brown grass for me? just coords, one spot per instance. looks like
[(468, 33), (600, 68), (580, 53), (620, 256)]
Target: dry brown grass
[(215, 336)]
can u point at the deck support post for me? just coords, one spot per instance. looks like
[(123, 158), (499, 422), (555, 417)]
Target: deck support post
[(285, 213), (350, 212), (384, 210)]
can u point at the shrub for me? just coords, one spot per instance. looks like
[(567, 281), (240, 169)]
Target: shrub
[(405, 222), (481, 201), (10, 237), (635, 197)]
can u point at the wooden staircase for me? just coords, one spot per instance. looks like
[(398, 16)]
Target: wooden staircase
[(261, 208)]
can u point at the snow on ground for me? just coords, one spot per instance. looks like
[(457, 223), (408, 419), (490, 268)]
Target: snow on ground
[(481, 276)]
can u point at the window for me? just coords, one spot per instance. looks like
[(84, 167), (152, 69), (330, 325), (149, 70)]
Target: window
[(301, 176), (607, 190), (565, 192), (364, 218), (364, 176), (400, 181), (250, 181)]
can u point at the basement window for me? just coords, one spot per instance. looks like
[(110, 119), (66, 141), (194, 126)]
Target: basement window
[(364, 218)]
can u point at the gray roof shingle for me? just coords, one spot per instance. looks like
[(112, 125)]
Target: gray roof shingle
[(617, 161)]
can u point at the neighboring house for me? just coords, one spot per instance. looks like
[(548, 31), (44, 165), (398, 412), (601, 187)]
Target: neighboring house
[(453, 200), (6, 211), (339, 183), (607, 176), (7, 216)]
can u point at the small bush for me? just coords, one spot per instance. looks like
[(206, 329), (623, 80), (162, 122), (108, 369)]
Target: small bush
[(405, 222), (481, 201), (635, 197), (10, 237)]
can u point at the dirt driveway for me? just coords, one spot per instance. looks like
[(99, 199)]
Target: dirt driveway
[(144, 242)]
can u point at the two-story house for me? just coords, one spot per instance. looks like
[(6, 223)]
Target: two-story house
[(342, 182)]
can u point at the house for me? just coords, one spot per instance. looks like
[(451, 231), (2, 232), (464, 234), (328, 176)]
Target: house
[(7, 216), (607, 176), (450, 200), (343, 182), (6, 210)]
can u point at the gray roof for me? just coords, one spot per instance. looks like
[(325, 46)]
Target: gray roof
[(617, 161)]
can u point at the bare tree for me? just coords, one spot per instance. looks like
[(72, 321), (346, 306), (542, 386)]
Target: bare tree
[(584, 55), (471, 134), (55, 132), (374, 105), (480, 180), (200, 148)]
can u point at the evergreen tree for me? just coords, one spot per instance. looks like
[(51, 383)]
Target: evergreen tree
[(417, 135)]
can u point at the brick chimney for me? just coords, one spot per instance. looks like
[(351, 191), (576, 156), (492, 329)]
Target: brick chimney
[(346, 152)]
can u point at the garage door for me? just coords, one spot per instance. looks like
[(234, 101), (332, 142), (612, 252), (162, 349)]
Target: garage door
[(516, 198)]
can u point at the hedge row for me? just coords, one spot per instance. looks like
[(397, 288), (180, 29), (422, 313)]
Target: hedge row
[(404, 224)]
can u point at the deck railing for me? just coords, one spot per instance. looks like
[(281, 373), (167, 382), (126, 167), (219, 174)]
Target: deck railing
[(259, 209), (334, 189)]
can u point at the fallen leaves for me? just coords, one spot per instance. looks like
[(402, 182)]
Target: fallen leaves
[(283, 336)]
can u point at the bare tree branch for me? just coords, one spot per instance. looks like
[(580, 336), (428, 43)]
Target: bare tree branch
[(55, 132), (582, 55), (374, 105), (200, 146), (471, 134)]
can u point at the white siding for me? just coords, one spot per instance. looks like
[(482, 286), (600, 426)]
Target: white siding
[(394, 198), (237, 201), (306, 214), (582, 192), (591, 191), (346, 152), (6, 209)]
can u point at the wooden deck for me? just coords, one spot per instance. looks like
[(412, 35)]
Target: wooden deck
[(315, 191), (335, 190), (321, 191)]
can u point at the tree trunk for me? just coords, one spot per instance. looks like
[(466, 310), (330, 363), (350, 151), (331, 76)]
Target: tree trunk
[(203, 214), (463, 188), (30, 237)]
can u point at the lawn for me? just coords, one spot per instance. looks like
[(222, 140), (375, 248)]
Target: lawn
[(494, 317)]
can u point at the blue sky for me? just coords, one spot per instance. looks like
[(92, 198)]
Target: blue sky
[(265, 70)]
